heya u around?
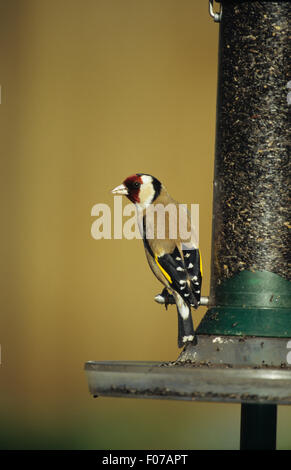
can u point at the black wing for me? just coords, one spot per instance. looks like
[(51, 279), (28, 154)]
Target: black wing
[(184, 276), (193, 263)]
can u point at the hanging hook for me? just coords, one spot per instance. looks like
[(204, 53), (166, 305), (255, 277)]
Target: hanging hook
[(216, 16)]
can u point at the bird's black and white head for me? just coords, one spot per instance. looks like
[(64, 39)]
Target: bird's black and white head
[(141, 189)]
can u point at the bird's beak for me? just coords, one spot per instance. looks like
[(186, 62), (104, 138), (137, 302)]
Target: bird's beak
[(121, 189)]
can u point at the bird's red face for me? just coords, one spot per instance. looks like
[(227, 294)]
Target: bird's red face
[(133, 185), (130, 188), (139, 188)]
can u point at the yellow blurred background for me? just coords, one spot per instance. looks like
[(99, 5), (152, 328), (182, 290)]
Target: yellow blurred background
[(91, 92)]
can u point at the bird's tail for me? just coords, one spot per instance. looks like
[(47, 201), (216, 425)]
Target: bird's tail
[(186, 331)]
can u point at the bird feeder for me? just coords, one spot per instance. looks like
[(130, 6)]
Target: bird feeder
[(242, 350)]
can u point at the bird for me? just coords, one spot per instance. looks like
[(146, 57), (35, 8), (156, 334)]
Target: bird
[(175, 260)]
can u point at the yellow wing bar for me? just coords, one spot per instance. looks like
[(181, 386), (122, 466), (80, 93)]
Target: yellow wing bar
[(163, 271), (200, 263)]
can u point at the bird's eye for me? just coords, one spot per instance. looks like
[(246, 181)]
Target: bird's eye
[(136, 184)]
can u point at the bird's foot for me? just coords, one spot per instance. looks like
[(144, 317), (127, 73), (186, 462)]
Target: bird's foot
[(165, 298)]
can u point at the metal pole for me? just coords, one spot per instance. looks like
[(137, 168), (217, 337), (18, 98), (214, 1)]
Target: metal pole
[(258, 427)]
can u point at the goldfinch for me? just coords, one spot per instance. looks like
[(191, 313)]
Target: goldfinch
[(174, 259)]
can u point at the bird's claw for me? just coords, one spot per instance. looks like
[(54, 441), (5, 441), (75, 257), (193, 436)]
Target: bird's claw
[(165, 298)]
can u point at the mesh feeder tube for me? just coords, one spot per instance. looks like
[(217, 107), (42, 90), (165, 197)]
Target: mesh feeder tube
[(250, 275)]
